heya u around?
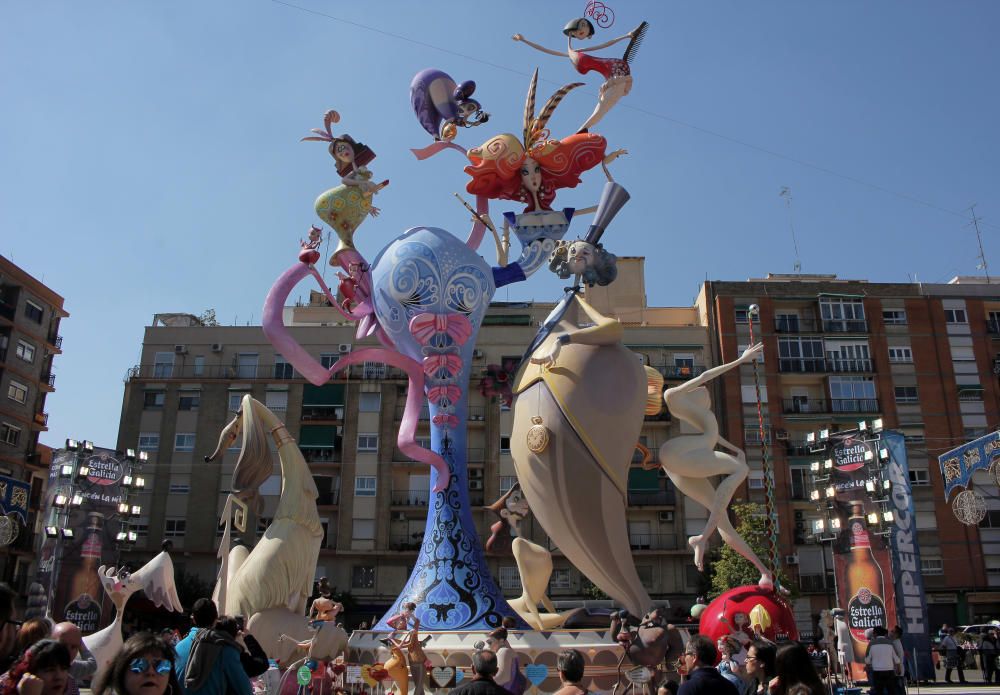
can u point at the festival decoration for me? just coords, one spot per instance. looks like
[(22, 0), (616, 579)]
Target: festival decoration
[(442, 107), (765, 612), (497, 380), (957, 468), (155, 579), (647, 643), (616, 72), (690, 459)]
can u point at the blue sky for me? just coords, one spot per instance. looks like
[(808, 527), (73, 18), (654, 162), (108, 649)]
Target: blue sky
[(149, 154)]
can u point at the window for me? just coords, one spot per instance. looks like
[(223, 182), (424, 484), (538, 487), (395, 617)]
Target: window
[(246, 365), (751, 434), (786, 323), (328, 359), (800, 355), (373, 370), (506, 483), (367, 442), (276, 400), (189, 400), (560, 579), (906, 394), (742, 315), (364, 486), (852, 394), (16, 391), (282, 369), (199, 365), (33, 311), (26, 351), (504, 443), (919, 476), (749, 393), (363, 577), (180, 488), (369, 402), (955, 316), (755, 481), (10, 434), (900, 354), (175, 528), (970, 394), (894, 317), (364, 529), (235, 400), (510, 579), (931, 565), (800, 478), (991, 520), (842, 314), (163, 365), (645, 574), (184, 441), (149, 441), (141, 528), (684, 360), (153, 400)]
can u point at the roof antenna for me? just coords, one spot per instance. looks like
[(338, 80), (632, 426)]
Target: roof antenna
[(983, 266), (786, 193)]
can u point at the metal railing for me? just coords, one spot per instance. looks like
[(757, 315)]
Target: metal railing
[(55, 341), (326, 455), (477, 413), (410, 498), (48, 378), (993, 327), (834, 405), (405, 542), (651, 498), (42, 419), (673, 371), (845, 326), (841, 364), (323, 412), (262, 372), (796, 325), (653, 541), (815, 583), (802, 365)]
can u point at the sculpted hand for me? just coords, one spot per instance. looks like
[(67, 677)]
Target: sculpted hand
[(614, 155), (751, 353), (549, 359), (517, 37)]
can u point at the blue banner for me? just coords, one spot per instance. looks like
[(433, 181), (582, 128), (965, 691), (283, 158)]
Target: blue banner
[(14, 497), (958, 465), (911, 602)]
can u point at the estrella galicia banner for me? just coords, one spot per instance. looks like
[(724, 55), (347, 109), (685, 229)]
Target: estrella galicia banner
[(958, 465), (85, 534), (861, 550)]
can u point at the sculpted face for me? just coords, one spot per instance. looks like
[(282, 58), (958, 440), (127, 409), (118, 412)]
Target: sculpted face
[(531, 175), (343, 152), (580, 256)]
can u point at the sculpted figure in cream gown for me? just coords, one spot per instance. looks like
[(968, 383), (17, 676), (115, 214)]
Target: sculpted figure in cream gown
[(691, 459)]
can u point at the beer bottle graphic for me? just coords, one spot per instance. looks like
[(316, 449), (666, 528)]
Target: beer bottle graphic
[(86, 579), (865, 585)]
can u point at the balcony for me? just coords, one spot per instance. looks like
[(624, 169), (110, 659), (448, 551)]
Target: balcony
[(424, 416), (849, 365), (328, 413), (55, 341), (477, 413), (818, 365), (993, 327), (653, 541), (47, 379), (816, 583), (794, 324), (320, 455), (652, 498), (328, 498), (7, 310), (845, 326), (410, 498), (42, 419), (405, 542), (675, 371), (798, 406)]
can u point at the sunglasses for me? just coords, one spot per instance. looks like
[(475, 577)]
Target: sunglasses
[(140, 665)]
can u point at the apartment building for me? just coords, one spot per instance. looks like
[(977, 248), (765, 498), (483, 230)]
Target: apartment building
[(373, 499), (923, 358), (30, 314)]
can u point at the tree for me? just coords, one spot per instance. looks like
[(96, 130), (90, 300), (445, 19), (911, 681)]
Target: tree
[(190, 588), (731, 569), (208, 318)]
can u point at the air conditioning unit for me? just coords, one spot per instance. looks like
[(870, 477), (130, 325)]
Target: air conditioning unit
[(344, 348), (781, 435), (666, 516), (216, 347), (791, 559), (477, 354), (475, 484), (180, 349), (475, 474)]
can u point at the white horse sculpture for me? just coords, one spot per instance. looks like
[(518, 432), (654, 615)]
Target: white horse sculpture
[(155, 579), (270, 584)]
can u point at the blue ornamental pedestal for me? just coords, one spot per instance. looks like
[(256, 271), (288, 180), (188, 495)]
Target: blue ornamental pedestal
[(431, 292)]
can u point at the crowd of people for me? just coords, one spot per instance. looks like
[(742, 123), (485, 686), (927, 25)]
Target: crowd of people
[(958, 652)]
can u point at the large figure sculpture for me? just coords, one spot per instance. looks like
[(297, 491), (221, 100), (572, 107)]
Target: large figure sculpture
[(155, 579), (691, 459), (577, 417)]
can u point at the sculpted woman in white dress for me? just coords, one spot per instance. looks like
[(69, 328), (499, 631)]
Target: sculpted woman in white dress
[(691, 459)]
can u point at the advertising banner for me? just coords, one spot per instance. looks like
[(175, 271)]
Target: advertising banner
[(876, 554), (84, 534)]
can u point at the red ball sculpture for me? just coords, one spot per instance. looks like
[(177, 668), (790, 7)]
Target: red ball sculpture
[(748, 612)]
